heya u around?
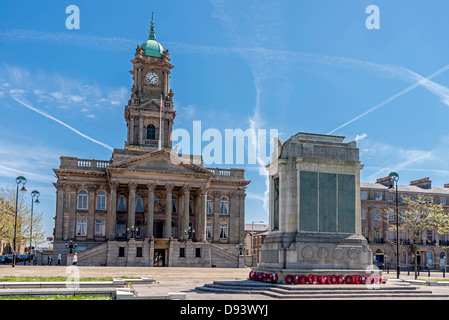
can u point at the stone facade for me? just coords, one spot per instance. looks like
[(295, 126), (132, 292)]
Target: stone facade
[(148, 205), (315, 207), (378, 206)]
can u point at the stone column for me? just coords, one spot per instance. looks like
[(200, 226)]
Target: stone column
[(132, 206), (91, 211), (233, 230), (113, 210), (131, 131), (59, 211), (141, 130), (150, 220), (242, 217), (185, 217), (283, 192), (72, 212), (216, 210), (168, 211), (202, 217)]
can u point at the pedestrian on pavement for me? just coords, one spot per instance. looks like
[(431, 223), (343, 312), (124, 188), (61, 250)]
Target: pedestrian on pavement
[(75, 259), (59, 259)]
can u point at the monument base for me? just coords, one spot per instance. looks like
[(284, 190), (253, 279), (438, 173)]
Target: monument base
[(317, 276), (331, 258)]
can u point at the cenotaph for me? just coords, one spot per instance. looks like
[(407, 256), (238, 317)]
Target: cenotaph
[(314, 216)]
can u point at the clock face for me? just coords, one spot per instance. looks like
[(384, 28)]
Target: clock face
[(152, 78)]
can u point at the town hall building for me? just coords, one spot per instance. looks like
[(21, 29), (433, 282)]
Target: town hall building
[(147, 205)]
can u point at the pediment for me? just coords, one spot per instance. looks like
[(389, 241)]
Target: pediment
[(160, 160)]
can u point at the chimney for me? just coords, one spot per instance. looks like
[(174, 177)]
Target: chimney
[(424, 183), (446, 185), (386, 181)]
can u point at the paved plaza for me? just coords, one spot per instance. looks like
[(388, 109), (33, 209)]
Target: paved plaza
[(180, 280)]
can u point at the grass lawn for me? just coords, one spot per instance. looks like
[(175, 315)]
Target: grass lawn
[(56, 279)]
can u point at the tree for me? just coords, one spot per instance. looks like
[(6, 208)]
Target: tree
[(421, 214), (7, 216)]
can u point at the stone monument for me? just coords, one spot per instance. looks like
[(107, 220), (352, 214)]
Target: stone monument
[(315, 223)]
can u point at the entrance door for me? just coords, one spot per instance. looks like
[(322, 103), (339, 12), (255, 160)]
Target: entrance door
[(120, 230), (159, 257), (158, 229)]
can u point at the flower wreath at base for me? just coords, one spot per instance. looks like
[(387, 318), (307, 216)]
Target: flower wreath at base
[(263, 276), (317, 279)]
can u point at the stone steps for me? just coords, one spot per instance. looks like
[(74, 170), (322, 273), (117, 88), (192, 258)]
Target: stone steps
[(318, 291)]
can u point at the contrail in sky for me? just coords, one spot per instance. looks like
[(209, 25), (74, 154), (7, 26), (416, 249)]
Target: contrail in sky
[(59, 121), (397, 95)]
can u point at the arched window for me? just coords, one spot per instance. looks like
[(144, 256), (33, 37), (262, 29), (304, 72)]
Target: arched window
[(82, 200), (209, 205), (121, 205), (101, 200), (151, 132), (139, 203), (224, 205)]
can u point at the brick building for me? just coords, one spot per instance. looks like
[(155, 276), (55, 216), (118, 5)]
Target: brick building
[(378, 210)]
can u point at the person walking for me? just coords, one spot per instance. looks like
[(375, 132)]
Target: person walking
[(75, 259), (59, 259)]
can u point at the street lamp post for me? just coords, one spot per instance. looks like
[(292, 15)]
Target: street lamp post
[(34, 194), (70, 245), (395, 178), (19, 180)]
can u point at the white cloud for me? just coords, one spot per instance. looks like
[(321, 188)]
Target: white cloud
[(360, 137)]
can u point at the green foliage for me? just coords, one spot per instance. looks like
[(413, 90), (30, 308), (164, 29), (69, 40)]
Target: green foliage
[(7, 217), (419, 215)]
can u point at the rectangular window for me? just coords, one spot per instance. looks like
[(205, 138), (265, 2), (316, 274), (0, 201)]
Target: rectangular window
[(376, 213), (363, 213), (101, 200), (443, 201), (378, 196), (430, 236), (139, 252), (391, 197), (223, 231), (209, 230), (390, 215), (82, 200), (121, 251), (197, 252), (209, 205), (363, 195), (81, 227), (139, 203), (182, 252), (100, 227)]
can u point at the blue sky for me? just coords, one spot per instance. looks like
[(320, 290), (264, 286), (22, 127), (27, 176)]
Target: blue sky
[(294, 66)]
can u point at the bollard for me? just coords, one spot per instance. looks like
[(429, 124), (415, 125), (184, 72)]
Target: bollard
[(428, 272), (444, 272)]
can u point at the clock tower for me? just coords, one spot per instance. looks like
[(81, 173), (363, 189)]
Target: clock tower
[(149, 114)]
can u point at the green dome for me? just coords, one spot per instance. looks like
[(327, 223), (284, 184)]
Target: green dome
[(151, 47)]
